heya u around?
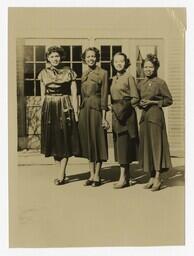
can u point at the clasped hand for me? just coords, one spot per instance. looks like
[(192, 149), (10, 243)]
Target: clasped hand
[(105, 124), (144, 103)]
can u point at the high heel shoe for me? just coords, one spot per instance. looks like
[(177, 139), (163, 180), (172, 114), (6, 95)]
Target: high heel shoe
[(122, 185), (156, 186), (149, 184), (59, 182), (96, 183), (88, 183)]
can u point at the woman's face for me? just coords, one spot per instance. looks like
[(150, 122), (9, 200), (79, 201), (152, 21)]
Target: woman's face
[(90, 58), (148, 68), (119, 62), (54, 59)]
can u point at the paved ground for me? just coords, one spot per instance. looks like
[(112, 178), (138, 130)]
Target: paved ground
[(45, 215)]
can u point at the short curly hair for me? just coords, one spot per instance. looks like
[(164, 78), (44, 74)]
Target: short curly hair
[(127, 60), (94, 49), (153, 59), (57, 49)]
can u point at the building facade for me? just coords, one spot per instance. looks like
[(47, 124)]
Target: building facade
[(135, 32)]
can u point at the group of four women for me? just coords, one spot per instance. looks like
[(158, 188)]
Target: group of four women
[(71, 130)]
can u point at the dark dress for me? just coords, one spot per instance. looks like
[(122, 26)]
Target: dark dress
[(59, 132), (125, 132), (154, 147), (94, 92)]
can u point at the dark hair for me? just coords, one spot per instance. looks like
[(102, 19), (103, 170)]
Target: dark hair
[(153, 59), (127, 60), (94, 49), (57, 49)]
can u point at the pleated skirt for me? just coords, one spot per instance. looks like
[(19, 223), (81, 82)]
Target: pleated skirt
[(59, 131)]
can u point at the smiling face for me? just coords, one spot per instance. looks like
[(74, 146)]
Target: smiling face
[(148, 68), (90, 58), (119, 63), (54, 58)]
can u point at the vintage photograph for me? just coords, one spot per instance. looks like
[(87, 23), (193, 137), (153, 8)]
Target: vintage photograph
[(97, 127)]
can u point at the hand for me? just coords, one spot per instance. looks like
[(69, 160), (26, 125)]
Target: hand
[(76, 117), (105, 124), (144, 103)]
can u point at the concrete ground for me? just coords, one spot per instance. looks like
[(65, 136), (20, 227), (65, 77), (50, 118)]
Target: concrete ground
[(45, 215)]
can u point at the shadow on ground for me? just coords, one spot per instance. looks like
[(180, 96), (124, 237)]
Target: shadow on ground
[(174, 177)]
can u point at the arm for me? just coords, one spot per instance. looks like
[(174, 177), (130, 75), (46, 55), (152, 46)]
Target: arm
[(104, 100), (74, 99), (166, 96), (164, 99), (133, 91)]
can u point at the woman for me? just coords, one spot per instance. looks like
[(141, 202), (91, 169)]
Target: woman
[(124, 120), (92, 119), (154, 148), (59, 134)]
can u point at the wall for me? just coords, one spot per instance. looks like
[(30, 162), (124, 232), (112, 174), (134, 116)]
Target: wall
[(165, 23)]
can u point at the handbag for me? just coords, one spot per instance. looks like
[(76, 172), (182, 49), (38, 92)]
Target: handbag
[(122, 109)]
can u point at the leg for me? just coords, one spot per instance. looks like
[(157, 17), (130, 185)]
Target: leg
[(62, 171), (157, 182), (151, 180), (97, 181), (124, 177), (92, 172), (97, 171)]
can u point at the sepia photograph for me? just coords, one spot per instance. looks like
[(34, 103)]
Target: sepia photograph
[(96, 100)]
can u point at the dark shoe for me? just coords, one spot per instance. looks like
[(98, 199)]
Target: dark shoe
[(149, 184), (118, 186), (157, 185), (88, 183), (59, 182), (96, 183)]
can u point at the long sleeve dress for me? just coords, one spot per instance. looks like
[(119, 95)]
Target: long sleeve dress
[(94, 93), (125, 133), (59, 132), (154, 148)]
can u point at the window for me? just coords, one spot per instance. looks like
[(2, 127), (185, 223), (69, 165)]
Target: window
[(107, 53), (141, 52), (34, 62)]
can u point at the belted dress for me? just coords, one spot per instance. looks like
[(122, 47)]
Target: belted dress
[(125, 133), (154, 151), (59, 131), (94, 94)]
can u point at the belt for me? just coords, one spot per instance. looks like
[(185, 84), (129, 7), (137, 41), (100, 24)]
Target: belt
[(121, 100)]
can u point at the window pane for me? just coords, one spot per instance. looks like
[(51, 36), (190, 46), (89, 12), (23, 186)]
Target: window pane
[(37, 88), (115, 49), (106, 66), (29, 70), (39, 67), (40, 53), (28, 88), (77, 51), (66, 64), (28, 53), (77, 67), (105, 52), (141, 53), (78, 86), (67, 52)]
